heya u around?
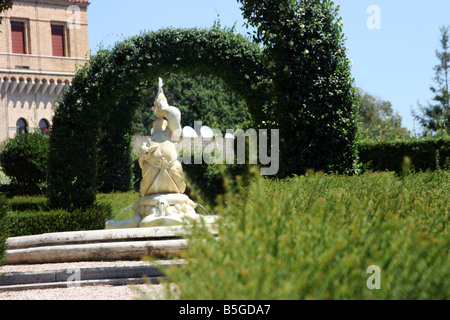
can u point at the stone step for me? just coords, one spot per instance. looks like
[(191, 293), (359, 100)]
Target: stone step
[(84, 277), (100, 236), (109, 251), (101, 245), (62, 285)]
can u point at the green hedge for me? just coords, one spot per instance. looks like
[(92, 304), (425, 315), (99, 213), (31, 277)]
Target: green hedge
[(36, 220), (115, 148), (206, 182), (425, 154), (3, 229)]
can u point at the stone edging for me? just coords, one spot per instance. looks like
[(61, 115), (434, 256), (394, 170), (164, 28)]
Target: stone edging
[(84, 277), (101, 245)]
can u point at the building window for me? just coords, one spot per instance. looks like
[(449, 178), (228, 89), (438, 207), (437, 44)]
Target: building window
[(58, 41), (18, 37), (22, 126), (44, 127)]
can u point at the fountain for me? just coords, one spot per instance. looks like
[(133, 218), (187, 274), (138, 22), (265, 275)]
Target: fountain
[(163, 201), (158, 226)]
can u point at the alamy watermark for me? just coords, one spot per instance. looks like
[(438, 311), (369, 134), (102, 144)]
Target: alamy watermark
[(73, 281), (374, 281), (74, 20), (374, 20), (235, 147)]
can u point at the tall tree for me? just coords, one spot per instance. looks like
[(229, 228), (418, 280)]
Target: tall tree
[(313, 98), (378, 119), (435, 115)]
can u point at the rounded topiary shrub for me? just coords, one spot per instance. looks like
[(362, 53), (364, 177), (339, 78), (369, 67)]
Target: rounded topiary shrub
[(24, 159)]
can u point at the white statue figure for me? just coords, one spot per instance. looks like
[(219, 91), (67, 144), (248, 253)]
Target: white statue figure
[(163, 201), (161, 170), (162, 110)]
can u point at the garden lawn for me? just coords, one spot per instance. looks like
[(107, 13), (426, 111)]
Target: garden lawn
[(120, 202)]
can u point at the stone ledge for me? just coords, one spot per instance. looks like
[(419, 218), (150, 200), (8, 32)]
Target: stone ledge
[(61, 285), (100, 236), (111, 251), (88, 276)]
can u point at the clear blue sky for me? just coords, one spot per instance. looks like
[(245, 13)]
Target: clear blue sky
[(394, 63)]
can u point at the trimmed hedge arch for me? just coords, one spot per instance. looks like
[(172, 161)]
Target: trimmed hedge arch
[(104, 91)]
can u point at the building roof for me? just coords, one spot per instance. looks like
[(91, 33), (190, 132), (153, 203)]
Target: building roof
[(79, 1)]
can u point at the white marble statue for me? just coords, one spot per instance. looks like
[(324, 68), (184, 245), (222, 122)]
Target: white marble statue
[(163, 111), (163, 201)]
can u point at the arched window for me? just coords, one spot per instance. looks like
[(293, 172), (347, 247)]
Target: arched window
[(22, 126), (44, 127)]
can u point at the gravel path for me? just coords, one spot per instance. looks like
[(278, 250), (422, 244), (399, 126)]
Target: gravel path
[(77, 265), (100, 292), (153, 292)]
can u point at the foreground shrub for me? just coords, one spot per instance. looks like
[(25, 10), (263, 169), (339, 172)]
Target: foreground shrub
[(314, 237), (36, 218), (24, 160), (3, 228)]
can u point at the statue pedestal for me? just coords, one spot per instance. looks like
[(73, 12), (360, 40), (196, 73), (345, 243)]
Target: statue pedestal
[(162, 210)]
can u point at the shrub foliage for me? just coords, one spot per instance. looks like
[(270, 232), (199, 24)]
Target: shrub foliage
[(39, 219), (313, 98), (115, 159), (199, 98), (315, 236), (25, 159)]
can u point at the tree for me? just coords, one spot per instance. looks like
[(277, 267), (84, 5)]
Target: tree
[(435, 116), (5, 5), (199, 98), (378, 119), (313, 98)]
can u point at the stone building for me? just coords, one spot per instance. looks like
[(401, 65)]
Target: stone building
[(41, 44)]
